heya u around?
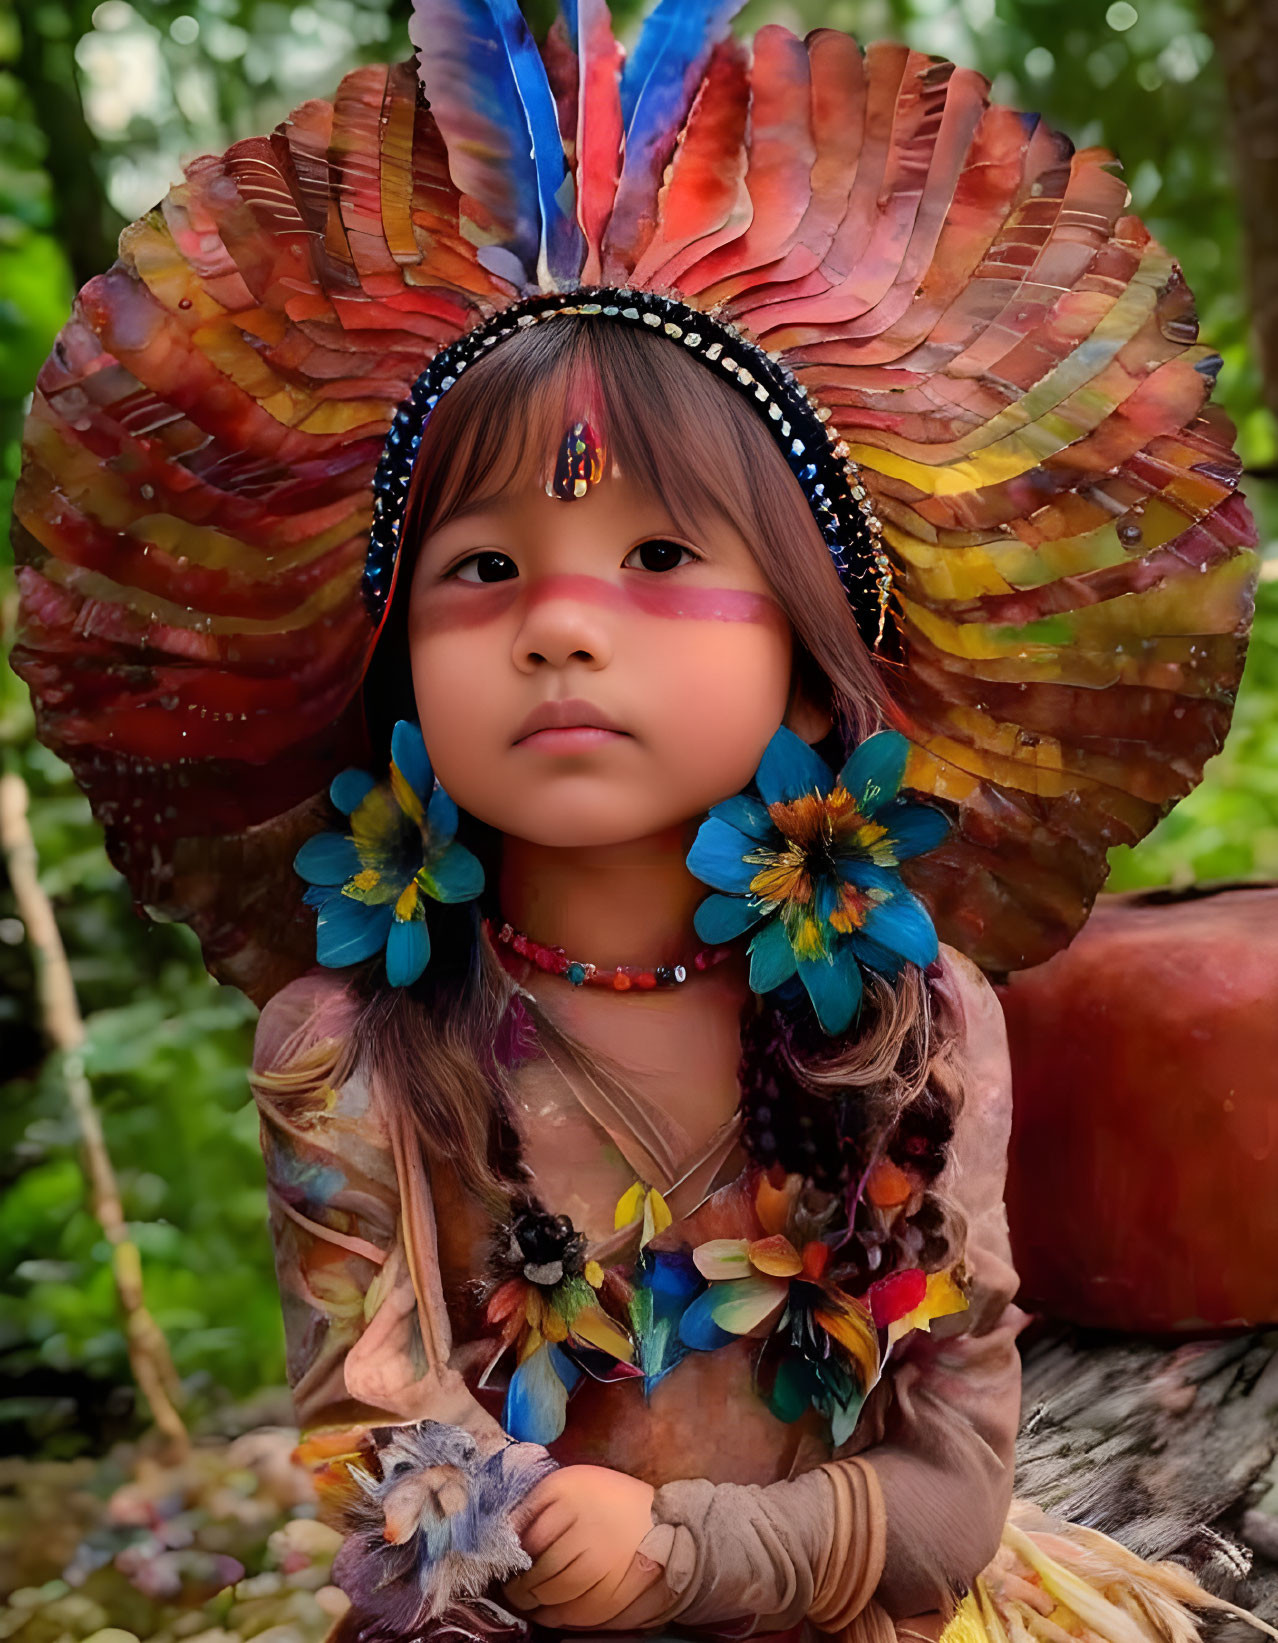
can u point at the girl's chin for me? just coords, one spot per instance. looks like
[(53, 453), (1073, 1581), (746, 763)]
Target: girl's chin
[(579, 835), (589, 821)]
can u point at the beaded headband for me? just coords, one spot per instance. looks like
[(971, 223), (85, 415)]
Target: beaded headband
[(830, 480)]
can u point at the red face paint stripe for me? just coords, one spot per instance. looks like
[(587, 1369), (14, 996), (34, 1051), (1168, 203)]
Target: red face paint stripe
[(700, 604), (459, 605)]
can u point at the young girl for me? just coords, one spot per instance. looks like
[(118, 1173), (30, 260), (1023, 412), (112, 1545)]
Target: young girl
[(779, 432), (688, 601)]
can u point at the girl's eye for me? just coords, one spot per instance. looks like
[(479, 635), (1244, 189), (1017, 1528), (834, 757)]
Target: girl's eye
[(660, 554), (489, 566)]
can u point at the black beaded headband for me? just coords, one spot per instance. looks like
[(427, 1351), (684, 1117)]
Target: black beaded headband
[(830, 480)]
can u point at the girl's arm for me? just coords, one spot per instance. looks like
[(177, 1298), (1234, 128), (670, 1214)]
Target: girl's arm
[(903, 1526), (947, 1454), (364, 1347)]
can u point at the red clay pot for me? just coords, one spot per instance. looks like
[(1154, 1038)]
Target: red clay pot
[(1143, 1177)]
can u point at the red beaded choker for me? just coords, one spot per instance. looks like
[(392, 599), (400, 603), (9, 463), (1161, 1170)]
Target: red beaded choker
[(555, 961)]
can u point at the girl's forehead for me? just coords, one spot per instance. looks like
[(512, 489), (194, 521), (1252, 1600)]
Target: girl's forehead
[(676, 443), (628, 495)]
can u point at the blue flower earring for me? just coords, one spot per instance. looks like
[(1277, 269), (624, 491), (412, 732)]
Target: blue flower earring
[(814, 860), (371, 884)]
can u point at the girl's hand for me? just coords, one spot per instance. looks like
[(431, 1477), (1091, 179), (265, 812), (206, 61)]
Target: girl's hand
[(582, 1527)]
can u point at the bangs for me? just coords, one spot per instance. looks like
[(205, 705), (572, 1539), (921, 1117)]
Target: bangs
[(665, 422)]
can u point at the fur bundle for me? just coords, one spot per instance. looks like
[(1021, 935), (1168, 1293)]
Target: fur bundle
[(430, 1530)]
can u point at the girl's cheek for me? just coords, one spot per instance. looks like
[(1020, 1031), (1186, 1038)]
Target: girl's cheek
[(460, 653), (708, 662), (463, 702)]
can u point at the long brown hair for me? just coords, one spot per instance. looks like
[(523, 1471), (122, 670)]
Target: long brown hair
[(672, 426)]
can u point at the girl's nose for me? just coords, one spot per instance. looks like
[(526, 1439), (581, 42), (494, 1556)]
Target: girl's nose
[(565, 619)]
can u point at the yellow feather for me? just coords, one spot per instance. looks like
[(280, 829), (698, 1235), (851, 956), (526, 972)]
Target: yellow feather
[(942, 1297), (852, 1327), (989, 1613), (1068, 1588), (597, 1329), (656, 1216), (966, 1625), (404, 796), (628, 1207), (776, 1256)]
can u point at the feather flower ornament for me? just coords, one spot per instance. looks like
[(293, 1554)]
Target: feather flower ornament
[(371, 884), (814, 861), (822, 1346), (544, 1302)]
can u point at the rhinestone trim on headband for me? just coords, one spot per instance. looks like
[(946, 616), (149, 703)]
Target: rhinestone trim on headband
[(829, 479)]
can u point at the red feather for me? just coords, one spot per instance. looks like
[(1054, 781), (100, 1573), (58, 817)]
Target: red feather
[(704, 200), (779, 170), (838, 117), (599, 131)]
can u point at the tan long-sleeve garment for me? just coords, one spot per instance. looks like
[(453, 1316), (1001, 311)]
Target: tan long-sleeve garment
[(376, 1253)]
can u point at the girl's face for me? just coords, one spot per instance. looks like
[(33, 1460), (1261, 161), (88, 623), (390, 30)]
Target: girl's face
[(656, 665)]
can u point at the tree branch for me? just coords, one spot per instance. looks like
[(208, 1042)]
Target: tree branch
[(64, 1028), (1244, 32)]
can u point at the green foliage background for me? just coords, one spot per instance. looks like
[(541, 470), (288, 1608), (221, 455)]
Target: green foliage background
[(98, 106)]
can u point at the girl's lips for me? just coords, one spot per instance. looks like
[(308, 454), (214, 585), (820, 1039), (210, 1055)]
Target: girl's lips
[(570, 738)]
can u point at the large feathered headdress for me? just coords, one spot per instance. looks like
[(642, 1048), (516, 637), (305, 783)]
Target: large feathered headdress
[(1006, 353)]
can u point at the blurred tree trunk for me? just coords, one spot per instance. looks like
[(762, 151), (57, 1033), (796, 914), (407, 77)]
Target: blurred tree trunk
[(64, 1028), (1246, 37), (83, 220)]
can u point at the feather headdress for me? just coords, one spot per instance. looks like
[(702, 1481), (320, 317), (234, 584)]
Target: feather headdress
[(999, 343)]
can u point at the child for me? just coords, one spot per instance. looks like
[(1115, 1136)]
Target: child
[(756, 402), (686, 596)]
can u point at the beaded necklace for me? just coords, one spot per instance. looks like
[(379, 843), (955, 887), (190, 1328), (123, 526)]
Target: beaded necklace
[(619, 978)]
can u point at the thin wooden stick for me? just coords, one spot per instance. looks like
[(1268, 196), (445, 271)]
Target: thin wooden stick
[(63, 1025)]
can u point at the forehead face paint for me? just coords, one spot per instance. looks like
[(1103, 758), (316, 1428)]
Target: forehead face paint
[(579, 463)]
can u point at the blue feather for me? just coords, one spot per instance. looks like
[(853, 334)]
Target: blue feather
[(537, 1397), (327, 859), (667, 65), (407, 951), (487, 88), (562, 245), (904, 925), (568, 11), (665, 1284), (348, 788), (658, 85), (697, 1327)]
